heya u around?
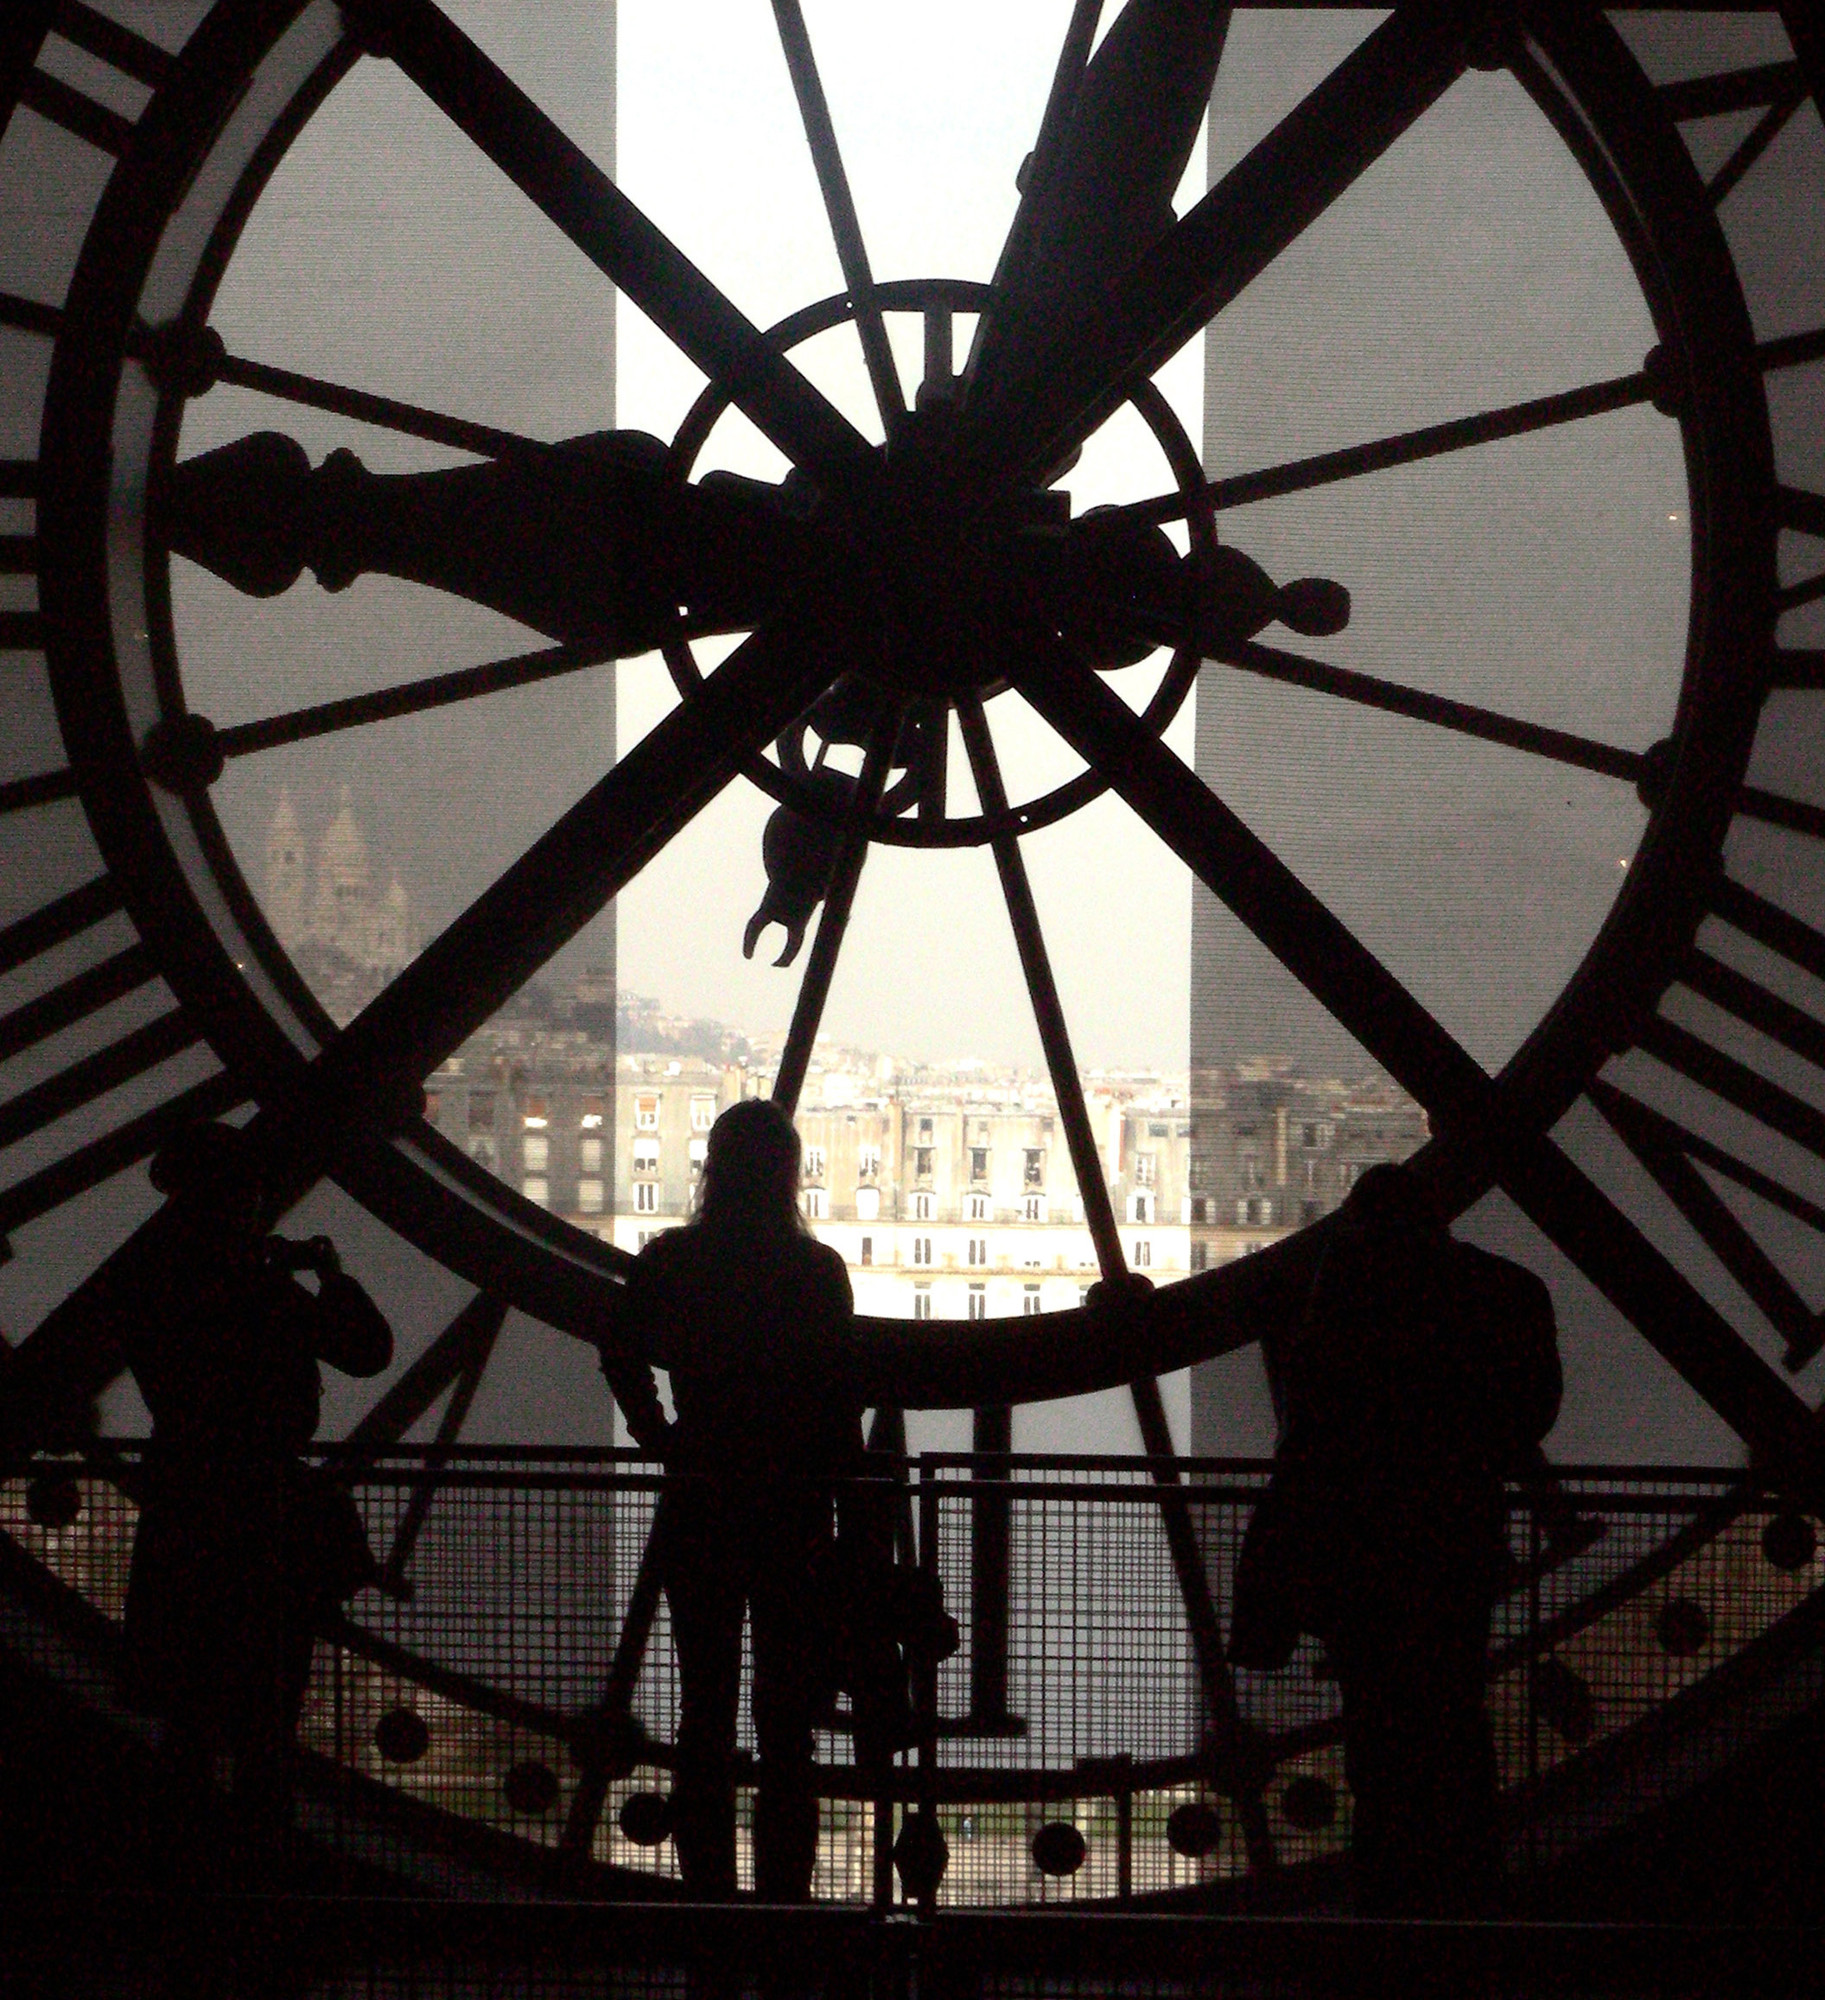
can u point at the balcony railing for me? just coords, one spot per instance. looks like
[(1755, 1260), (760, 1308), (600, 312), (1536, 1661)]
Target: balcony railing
[(519, 1679)]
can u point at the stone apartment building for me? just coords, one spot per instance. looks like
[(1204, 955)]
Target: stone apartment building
[(949, 1192)]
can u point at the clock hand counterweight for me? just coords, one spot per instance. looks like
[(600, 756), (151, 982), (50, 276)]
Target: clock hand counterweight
[(590, 542)]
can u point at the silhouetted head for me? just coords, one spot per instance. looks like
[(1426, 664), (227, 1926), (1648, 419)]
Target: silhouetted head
[(1391, 1199), (750, 1172), (213, 1168)]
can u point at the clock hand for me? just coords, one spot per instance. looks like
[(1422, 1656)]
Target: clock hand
[(1097, 190), (1035, 413), (590, 542)]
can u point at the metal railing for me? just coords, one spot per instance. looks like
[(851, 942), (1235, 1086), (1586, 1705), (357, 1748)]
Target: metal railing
[(518, 1677)]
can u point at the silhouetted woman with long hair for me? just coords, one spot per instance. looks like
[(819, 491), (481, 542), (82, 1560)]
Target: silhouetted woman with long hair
[(751, 1317)]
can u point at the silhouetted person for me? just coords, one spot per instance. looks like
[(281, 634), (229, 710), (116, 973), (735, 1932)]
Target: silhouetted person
[(242, 1549), (751, 1318), (1423, 1373)]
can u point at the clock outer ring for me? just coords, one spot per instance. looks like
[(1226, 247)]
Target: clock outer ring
[(1674, 241)]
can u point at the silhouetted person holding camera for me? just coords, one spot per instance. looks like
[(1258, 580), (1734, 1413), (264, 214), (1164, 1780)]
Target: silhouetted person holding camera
[(1423, 1373), (242, 1550), (751, 1318)]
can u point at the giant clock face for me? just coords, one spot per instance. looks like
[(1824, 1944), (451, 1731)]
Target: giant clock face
[(921, 597)]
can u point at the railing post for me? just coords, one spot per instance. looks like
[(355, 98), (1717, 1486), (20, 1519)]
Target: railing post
[(925, 1676), (991, 1436)]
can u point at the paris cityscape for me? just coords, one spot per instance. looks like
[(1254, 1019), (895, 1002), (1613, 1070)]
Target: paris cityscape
[(946, 1185)]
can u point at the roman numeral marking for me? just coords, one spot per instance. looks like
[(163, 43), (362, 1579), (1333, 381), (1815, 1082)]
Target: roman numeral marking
[(1777, 90), (1673, 1153), (139, 64), (132, 54), (145, 1048), (1669, 1151), (101, 1159)]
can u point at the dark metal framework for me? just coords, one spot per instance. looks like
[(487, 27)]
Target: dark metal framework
[(1620, 1670), (128, 343)]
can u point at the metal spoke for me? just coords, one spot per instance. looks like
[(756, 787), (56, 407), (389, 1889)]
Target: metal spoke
[(1061, 100), (21, 794), (839, 899), (839, 205), (409, 698), (566, 878), (1036, 964), (472, 1332), (1099, 1213), (1327, 468), (1244, 873), (1462, 717), (482, 1324), (384, 412), (580, 199), (1264, 204)]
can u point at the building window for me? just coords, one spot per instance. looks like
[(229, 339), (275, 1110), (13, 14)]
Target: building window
[(589, 1154), (646, 1113), (1033, 1208), (1346, 1173), (1200, 1256), (534, 1118), (1308, 1212), (867, 1162), (922, 1249), (1033, 1174), (1156, 1131), (867, 1250), (646, 1197), (979, 1253), (976, 1208), (867, 1203), (536, 1152), (922, 1302), (591, 1120), (979, 1302), (1242, 1212), (703, 1113), (922, 1208), (1197, 1169), (699, 1150), (481, 1111), (481, 1151), (1140, 1208), (1144, 1167), (645, 1237), (979, 1163), (1029, 1301), (817, 1204), (1311, 1176), (1143, 1255), (1200, 1208), (589, 1197), (922, 1163), (814, 1163), (646, 1156), (1308, 1135), (1248, 1169), (536, 1188)]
